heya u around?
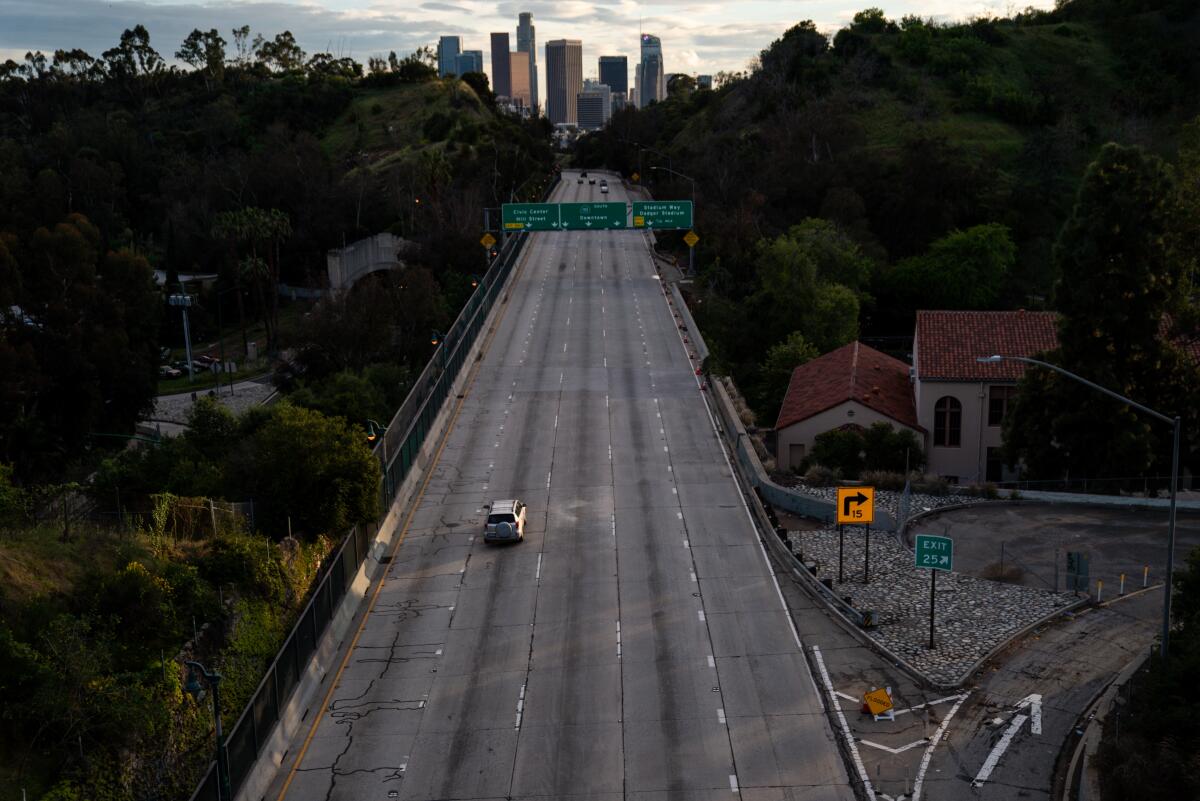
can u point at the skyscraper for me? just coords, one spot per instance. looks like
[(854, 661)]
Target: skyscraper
[(653, 77), (468, 61), (448, 49), (594, 105), (501, 80), (564, 79), (614, 73), (527, 43), (518, 73)]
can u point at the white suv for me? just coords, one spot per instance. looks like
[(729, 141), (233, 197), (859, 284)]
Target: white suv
[(505, 522)]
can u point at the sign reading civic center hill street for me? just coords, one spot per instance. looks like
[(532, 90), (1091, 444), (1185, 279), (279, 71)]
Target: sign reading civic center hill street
[(934, 553), (855, 506), (662, 214), (530, 216), (591, 216)]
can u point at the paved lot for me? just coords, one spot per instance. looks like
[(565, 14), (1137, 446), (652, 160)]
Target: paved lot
[(1037, 536), (635, 645)]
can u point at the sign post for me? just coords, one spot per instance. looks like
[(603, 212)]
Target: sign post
[(855, 507), (933, 553)]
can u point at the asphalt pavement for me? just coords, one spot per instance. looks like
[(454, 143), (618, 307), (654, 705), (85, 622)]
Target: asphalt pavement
[(636, 643)]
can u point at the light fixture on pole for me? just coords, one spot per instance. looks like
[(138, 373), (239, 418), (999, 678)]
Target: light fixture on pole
[(196, 673), (1175, 424), (183, 302)]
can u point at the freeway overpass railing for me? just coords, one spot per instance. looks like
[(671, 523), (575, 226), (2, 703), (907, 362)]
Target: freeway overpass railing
[(397, 450)]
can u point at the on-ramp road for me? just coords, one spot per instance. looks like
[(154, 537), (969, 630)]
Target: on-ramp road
[(636, 644)]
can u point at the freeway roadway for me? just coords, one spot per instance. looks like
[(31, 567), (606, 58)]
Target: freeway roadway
[(635, 645)]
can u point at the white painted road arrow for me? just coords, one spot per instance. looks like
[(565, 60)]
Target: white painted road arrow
[(1033, 703)]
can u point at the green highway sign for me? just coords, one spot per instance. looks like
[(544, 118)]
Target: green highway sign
[(591, 216), (530, 216), (934, 553), (662, 214)]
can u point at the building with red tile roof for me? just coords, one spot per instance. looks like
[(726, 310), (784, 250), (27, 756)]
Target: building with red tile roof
[(960, 401), (853, 385)]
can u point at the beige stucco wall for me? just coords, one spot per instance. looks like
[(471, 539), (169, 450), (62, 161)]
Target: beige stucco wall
[(805, 432), (968, 462)]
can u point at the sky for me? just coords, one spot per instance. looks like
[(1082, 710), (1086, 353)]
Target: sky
[(697, 37)]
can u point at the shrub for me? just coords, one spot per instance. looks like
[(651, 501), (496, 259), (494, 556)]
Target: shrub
[(883, 479), (931, 485), (821, 476)]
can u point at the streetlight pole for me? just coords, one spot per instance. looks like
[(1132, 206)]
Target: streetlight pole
[(1176, 428), (184, 301), (691, 248), (196, 672)]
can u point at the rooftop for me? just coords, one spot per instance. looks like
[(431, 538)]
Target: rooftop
[(949, 342), (854, 372)]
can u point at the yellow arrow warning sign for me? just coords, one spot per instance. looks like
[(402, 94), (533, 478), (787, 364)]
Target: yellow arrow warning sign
[(488, 240)]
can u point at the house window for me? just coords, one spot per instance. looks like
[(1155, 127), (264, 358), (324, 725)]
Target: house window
[(1000, 399), (947, 422), (995, 464)]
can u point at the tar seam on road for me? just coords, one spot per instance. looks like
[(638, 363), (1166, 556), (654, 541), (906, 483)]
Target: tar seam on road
[(937, 736), (487, 343)]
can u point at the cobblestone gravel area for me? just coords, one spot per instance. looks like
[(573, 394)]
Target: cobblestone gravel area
[(174, 408), (972, 616)]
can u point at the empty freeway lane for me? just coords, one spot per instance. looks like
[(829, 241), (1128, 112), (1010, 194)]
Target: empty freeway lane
[(635, 643)]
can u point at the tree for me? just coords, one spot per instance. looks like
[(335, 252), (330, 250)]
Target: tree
[(133, 57), (314, 469), (801, 275), (281, 54), (1119, 285), (776, 371), (257, 229), (962, 270), (204, 51)]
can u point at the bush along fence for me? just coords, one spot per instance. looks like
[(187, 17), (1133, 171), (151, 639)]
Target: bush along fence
[(397, 450)]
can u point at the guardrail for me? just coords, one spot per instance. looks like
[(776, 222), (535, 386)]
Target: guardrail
[(397, 451)]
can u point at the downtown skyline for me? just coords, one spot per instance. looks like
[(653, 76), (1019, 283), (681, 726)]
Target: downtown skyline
[(699, 37)]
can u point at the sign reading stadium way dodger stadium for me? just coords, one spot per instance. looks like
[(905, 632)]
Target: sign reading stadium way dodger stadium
[(660, 215)]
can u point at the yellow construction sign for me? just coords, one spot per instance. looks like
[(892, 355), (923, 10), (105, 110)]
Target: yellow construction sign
[(878, 701), (488, 240), (691, 239)]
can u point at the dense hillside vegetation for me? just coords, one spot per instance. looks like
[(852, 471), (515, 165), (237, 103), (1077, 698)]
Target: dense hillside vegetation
[(251, 163), (845, 181)]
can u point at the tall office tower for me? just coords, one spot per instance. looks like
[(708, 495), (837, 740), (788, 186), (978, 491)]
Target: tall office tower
[(614, 73), (501, 81), (564, 79), (518, 81), (594, 105), (527, 43), (653, 84), (635, 97), (468, 61), (448, 49)]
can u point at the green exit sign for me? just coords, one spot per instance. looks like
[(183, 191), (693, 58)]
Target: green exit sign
[(592, 216), (530, 216), (934, 553), (661, 215)]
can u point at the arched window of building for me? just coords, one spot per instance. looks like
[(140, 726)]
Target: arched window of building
[(947, 422)]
